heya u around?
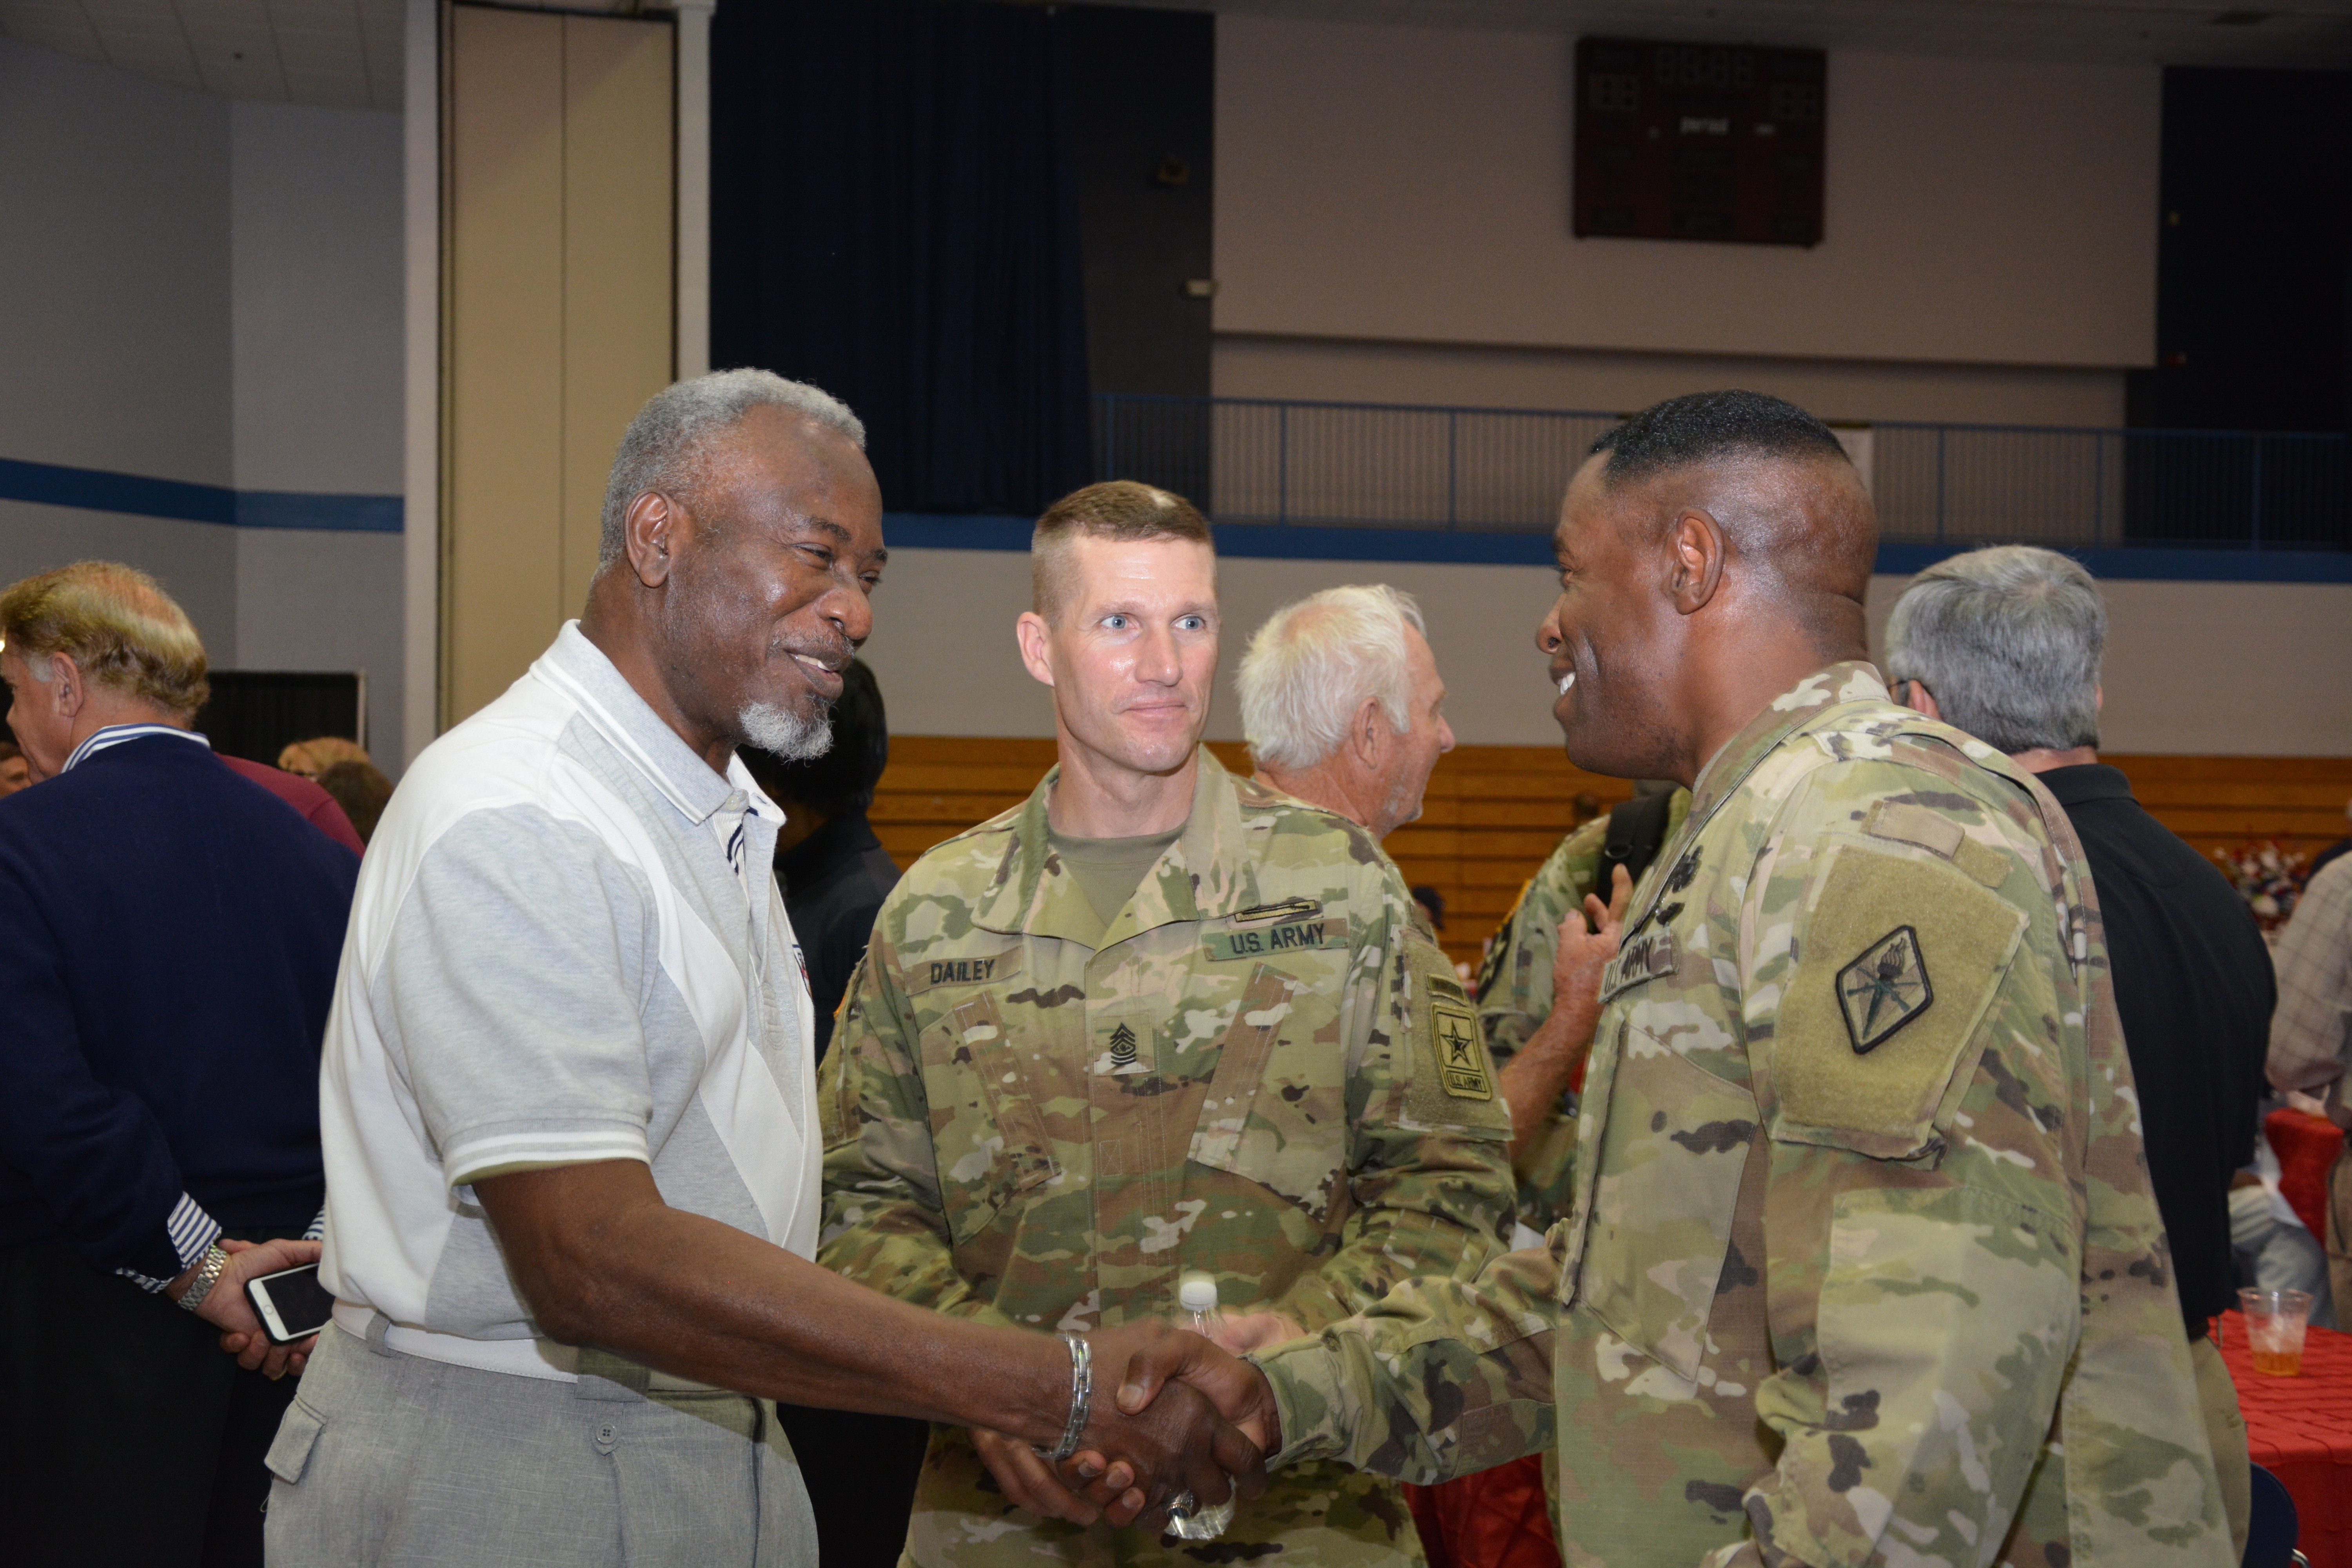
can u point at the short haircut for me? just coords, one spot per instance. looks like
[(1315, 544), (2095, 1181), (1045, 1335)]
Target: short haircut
[(1118, 510), (2009, 640), (360, 787), (666, 444), (313, 757), (1310, 667), (1707, 425), (841, 782), (117, 625)]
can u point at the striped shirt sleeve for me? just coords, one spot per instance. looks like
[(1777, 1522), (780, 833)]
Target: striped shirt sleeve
[(192, 1233)]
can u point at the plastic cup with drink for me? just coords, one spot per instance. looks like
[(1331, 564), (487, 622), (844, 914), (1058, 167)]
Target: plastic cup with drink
[(2274, 1324)]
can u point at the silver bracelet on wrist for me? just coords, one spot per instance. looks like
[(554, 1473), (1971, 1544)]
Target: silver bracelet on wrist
[(1082, 1397), (209, 1273)]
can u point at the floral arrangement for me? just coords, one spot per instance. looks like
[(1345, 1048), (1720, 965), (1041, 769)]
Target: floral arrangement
[(2269, 876)]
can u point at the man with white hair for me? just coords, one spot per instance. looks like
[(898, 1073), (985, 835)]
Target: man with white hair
[(2005, 644), (568, 1102), (1342, 704)]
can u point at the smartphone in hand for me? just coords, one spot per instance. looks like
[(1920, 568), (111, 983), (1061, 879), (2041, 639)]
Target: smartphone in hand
[(291, 1303)]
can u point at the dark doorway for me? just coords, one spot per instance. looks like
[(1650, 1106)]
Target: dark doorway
[(256, 714)]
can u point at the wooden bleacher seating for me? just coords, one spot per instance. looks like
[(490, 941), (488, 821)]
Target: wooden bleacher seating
[(1495, 812)]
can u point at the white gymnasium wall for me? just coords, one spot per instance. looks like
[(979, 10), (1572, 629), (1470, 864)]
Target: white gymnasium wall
[(315, 242), (1383, 185), (114, 335), (210, 292), (317, 282), (2197, 668), (114, 332)]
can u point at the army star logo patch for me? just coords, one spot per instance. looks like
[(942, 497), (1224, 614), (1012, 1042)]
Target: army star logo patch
[(1462, 1066), (1884, 989)]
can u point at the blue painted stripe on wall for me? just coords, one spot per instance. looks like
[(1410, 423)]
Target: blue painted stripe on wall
[(297, 509), (1302, 541), (95, 490)]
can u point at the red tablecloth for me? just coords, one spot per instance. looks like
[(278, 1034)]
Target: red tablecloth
[(1494, 1518), (2306, 1147), (2300, 1429)]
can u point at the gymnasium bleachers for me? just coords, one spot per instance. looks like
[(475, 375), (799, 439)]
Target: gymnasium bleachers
[(1495, 812)]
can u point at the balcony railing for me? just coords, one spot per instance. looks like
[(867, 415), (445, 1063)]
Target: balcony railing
[(1492, 470)]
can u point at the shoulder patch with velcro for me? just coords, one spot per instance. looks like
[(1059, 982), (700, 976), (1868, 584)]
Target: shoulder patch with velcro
[(1906, 822), (1879, 1019), (1452, 1082)]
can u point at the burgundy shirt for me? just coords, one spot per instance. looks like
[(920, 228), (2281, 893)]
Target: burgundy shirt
[(314, 805)]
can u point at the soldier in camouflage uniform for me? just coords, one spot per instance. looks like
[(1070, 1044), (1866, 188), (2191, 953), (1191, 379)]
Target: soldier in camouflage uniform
[(1040, 1113), (1864, 1264), (1515, 1000)]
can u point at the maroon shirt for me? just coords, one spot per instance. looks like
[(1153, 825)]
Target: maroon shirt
[(314, 805)]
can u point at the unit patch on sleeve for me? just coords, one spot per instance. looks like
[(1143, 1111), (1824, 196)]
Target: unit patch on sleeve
[(1877, 1026), (1884, 989), (1461, 1060)]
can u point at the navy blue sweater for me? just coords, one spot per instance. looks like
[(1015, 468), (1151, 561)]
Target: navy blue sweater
[(169, 934)]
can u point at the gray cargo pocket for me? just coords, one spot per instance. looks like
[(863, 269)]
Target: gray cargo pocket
[(289, 1453)]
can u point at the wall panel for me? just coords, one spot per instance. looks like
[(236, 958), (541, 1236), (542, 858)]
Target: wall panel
[(617, 261), (560, 315), (504, 398), (1406, 184)]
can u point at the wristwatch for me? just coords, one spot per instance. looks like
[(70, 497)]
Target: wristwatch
[(209, 1273)]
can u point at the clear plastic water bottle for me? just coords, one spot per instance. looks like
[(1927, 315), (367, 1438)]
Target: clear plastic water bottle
[(1189, 1520)]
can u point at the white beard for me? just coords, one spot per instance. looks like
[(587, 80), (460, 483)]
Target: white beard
[(786, 735)]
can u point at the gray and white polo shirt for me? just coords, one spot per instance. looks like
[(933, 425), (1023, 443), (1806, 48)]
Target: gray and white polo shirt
[(566, 946)]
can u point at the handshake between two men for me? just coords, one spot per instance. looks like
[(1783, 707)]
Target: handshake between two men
[(1156, 1413)]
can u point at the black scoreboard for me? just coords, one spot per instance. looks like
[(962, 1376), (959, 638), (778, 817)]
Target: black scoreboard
[(1699, 141)]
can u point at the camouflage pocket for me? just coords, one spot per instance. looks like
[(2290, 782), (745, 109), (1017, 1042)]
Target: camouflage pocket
[(992, 1147), (1277, 1111), (1666, 1190)]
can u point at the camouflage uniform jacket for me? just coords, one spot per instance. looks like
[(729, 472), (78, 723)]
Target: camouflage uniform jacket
[(1863, 1265), (1514, 999), (1244, 1078)]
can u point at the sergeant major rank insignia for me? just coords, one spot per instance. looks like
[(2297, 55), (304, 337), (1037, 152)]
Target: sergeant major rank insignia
[(1884, 989), (1122, 1048)]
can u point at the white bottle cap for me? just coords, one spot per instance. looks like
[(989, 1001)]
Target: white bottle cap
[(1198, 1293)]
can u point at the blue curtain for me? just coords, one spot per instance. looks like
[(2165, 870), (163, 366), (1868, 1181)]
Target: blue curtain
[(894, 217)]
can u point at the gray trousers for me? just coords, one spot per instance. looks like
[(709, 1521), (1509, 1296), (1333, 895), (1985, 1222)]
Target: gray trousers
[(393, 1460)]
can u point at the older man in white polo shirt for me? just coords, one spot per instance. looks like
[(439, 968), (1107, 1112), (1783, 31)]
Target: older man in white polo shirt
[(568, 1095)]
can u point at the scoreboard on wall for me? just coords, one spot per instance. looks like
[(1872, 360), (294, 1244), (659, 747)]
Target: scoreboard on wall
[(1699, 141)]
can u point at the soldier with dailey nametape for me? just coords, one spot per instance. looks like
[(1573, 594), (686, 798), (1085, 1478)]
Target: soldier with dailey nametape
[(1158, 1020), (1863, 1265)]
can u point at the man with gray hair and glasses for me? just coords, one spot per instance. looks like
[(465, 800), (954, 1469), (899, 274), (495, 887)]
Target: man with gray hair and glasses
[(2006, 644), (568, 1102)]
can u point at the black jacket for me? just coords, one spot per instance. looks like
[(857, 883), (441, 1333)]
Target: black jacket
[(834, 881), (2194, 983)]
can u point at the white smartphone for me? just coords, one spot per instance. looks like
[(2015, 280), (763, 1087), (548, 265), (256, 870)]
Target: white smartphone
[(291, 1303)]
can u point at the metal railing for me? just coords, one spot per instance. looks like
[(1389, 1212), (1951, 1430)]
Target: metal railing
[(1361, 465)]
